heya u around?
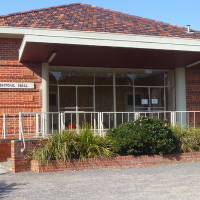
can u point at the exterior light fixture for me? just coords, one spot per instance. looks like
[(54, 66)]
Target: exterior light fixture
[(52, 56)]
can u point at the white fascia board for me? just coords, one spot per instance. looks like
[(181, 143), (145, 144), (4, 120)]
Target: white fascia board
[(102, 39)]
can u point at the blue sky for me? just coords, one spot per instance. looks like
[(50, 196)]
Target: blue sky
[(177, 12)]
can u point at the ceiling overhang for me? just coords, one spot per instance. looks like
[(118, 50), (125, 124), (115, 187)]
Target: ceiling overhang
[(76, 48)]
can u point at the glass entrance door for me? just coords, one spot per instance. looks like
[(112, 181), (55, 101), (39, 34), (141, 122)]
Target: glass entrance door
[(142, 103), (76, 98), (149, 99)]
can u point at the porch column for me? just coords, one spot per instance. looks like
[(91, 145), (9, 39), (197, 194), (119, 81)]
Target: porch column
[(180, 94), (45, 95)]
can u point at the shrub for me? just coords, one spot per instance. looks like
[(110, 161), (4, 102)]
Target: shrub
[(189, 138), (143, 136)]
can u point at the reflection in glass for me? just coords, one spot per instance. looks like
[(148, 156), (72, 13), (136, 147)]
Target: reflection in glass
[(104, 99), (148, 77), (85, 98), (53, 107), (67, 97), (168, 98), (123, 77), (103, 76), (52, 75), (141, 99), (124, 99), (157, 98), (75, 75), (169, 78)]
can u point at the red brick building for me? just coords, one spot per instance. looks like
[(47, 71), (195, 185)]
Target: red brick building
[(79, 57)]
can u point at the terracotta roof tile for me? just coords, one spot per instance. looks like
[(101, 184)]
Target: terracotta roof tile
[(85, 17)]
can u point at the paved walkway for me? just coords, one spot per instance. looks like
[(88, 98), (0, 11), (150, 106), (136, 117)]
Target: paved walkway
[(173, 181)]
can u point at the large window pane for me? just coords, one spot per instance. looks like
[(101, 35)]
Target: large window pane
[(104, 99), (76, 75), (157, 99), (53, 107), (103, 76), (67, 97), (146, 77), (169, 78), (124, 99), (169, 98), (142, 99), (123, 77), (53, 75), (85, 98)]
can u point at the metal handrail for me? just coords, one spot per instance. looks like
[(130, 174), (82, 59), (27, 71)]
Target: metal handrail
[(38, 123)]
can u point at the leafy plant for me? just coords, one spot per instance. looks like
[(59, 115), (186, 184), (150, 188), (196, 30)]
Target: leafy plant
[(189, 137), (143, 136)]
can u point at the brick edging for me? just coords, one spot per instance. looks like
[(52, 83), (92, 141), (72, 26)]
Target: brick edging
[(93, 163)]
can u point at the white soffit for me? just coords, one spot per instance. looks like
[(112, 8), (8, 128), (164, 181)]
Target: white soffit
[(100, 39)]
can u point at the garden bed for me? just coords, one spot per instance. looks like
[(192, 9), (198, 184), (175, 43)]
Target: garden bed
[(94, 163)]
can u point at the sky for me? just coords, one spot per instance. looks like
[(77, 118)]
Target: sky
[(177, 12)]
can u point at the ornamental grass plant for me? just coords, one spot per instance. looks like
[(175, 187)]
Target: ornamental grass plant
[(189, 137), (71, 145), (93, 145), (61, 146)]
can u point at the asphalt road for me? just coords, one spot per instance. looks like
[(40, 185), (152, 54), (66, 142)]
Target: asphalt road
[(172, 181)]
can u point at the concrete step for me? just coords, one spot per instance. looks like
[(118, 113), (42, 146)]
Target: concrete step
[(6, 165)]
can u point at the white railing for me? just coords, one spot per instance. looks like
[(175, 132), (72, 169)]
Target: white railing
[(35, 124), (81, 119)]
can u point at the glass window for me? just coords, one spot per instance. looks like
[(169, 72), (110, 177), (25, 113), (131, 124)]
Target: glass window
[(103, 76), (104, 99), (157, 98), (53, 74), (168, 98), (75, 75), (124, 99), (123, 77), (148, 77), (169, 78)]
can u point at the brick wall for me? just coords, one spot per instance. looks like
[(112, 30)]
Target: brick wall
[(193, 94), (91, 163), (18, 100), (192, 89), (5, 150), (19, 164)]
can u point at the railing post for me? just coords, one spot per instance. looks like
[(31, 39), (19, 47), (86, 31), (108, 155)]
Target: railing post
[(20, 124), (62, 122), (37, 128), (4, 126), (99, 122), (43, 125)]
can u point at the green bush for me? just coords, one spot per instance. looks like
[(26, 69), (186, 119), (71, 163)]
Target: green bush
[(189, 138), (70, 145), (143, 136)]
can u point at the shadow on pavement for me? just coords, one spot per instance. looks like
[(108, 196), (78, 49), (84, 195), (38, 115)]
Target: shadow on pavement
[(6, 188)]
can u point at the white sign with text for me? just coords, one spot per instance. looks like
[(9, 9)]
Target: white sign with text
[(12, 85)]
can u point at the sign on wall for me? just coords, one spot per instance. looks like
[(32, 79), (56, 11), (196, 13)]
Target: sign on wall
[(12, 85)]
